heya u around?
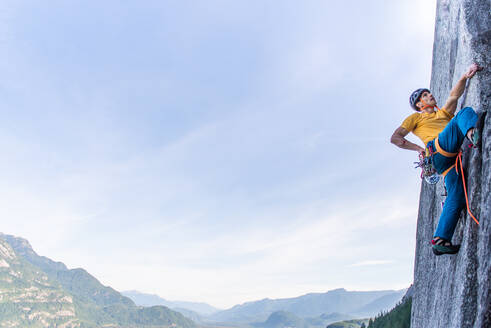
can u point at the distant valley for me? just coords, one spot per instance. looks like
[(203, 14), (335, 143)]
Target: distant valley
[(315, 310)]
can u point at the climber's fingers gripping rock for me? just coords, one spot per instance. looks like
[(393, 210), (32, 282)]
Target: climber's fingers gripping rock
[(472, 70)]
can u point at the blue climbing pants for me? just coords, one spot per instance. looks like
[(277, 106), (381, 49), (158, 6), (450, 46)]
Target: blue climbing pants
[(450, 140)]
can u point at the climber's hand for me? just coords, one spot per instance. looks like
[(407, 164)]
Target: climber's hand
[(472, 70)]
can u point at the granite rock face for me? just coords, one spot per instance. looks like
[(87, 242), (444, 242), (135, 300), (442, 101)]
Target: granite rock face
[(455, 290)]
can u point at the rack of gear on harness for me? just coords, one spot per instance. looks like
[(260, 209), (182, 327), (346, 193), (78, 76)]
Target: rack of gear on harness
[(428, 171)]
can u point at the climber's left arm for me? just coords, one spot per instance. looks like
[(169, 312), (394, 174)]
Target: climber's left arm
[(457, 91)]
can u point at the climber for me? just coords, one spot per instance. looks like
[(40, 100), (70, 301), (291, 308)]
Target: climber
[(443, 135)]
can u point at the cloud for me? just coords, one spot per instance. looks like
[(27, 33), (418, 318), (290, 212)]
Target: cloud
[(371, 262)]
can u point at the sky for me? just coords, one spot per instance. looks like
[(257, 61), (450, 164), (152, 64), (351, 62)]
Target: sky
[(214, 151)]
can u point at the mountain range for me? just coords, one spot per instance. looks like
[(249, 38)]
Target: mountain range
[(310, 310), (38, 292), (312, 305), (144, 299)]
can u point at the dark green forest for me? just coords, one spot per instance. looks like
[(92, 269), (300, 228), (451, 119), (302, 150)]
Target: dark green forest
[(398, 317)]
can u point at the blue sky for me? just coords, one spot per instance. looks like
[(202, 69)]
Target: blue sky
[(216, 151)]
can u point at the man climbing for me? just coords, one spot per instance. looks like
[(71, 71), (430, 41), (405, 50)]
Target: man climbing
[(443, 135)]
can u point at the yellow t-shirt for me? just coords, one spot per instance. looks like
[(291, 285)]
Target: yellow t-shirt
[(427, 126)]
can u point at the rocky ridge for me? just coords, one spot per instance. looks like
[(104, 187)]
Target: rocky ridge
[(29, 297), (455, 291)]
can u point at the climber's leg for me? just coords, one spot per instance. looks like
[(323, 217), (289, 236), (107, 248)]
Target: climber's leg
[(452, 137), (454, 203)]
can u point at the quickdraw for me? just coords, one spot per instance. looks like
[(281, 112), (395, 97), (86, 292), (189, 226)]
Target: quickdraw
[(428, 171)]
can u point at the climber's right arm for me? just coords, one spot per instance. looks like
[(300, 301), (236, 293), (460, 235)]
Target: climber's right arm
[(398, 139), (459, 88)]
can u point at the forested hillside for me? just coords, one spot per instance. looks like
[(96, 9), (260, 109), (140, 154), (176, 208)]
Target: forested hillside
[(38, 292)]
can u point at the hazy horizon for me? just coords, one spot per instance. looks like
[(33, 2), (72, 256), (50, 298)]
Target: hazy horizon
[(124, 292)]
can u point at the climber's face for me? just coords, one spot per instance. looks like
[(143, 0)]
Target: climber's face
[(426, 99)]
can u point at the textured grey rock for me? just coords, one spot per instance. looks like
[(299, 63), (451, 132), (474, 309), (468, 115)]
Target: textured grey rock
[(455, 291)]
